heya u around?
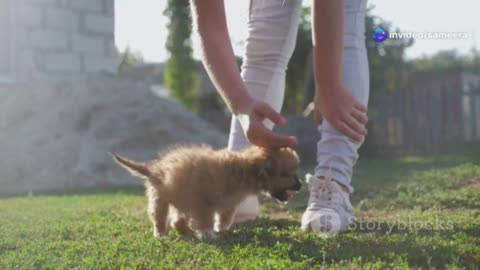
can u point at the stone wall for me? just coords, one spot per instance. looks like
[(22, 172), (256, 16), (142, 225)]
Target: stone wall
[(56, 38)]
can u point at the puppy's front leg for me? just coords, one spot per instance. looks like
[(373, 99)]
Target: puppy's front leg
[(158, 211), (203, 223), (178, 221), (225, 220)]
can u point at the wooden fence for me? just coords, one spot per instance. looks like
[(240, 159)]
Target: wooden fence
[(427, 121)]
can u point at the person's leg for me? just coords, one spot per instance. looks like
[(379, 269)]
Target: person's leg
[(272, 31), (336, 153)]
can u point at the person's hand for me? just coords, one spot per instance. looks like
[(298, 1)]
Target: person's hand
[(251, 118), (340, 108)]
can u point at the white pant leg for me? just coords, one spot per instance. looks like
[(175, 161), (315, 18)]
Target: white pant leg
[(272, 32), (334, 150)]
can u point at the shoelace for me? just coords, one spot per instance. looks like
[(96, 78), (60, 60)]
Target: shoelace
[(323, 193)]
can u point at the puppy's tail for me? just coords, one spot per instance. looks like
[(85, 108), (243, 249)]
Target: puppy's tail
[(135, 168)]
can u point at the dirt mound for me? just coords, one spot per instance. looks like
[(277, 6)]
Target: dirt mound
[(57, 135)]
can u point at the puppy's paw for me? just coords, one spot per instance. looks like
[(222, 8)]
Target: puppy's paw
[(181, 226), (206, 236), (222, 227), (158, 234)]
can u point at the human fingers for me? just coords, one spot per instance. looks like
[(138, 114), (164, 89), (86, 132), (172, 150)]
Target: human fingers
[(360, 116), (264, 137), (347, 131), (269, 113), (355, 125), (359, 106)]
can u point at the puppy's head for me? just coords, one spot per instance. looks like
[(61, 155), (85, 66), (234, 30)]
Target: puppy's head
[(277, 170)]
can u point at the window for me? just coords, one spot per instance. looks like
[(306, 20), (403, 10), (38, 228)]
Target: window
[(6, 40)]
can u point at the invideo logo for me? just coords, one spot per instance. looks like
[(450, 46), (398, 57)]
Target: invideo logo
[(379, 35)]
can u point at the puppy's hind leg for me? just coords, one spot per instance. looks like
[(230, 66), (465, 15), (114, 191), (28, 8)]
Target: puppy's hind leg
[(158, 211)]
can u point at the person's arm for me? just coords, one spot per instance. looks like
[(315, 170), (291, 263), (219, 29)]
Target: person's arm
[(218, 58), (333, 101)]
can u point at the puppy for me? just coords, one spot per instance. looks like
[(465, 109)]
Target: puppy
[(196, 187)]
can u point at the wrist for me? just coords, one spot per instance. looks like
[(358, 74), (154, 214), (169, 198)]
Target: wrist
[(327, 88), (242, 104)]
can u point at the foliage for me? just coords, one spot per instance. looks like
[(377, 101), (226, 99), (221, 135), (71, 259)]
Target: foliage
[(297, 67), (388, 67), (110, 229), (448, 60), (129, 59), (387, 64), (180, 71)]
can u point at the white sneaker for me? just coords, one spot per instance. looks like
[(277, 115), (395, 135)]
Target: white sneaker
[(248, 210), (329, 210)]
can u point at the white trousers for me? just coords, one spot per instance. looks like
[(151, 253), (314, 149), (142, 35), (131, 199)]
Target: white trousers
[(272, 31)]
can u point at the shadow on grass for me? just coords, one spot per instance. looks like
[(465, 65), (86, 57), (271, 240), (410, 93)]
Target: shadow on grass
[(99, 190), (372, 177), (384, 244)]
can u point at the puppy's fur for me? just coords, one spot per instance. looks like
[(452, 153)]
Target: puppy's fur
[(190, 186)]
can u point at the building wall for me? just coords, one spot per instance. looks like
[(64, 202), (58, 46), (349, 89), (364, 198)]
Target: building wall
[(55, 38), (6, 31)]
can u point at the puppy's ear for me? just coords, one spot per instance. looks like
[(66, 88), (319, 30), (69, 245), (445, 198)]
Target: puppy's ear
[(135, 168)]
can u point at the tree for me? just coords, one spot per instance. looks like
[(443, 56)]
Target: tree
[(129, 59), (476, 60), (389, 70), (297, 67), (448, 60), (180, 71)]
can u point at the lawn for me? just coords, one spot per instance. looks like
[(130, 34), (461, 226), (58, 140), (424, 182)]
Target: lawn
[(412, 213)]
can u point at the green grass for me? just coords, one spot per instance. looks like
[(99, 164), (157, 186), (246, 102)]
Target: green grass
[(413, 213)]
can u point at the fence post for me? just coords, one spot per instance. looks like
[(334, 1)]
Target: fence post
[(437, 116), (473, 94)]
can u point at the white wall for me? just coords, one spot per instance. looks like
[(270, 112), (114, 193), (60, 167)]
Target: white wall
[(57, 38), (6, 38)]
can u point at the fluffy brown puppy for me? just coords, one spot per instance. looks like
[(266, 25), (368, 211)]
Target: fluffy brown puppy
[(194, 186)]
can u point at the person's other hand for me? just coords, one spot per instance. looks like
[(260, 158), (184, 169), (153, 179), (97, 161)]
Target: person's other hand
[(340, 108), (251, 118)]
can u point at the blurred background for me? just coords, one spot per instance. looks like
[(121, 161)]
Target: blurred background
[(424, 93), (81, 78)]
